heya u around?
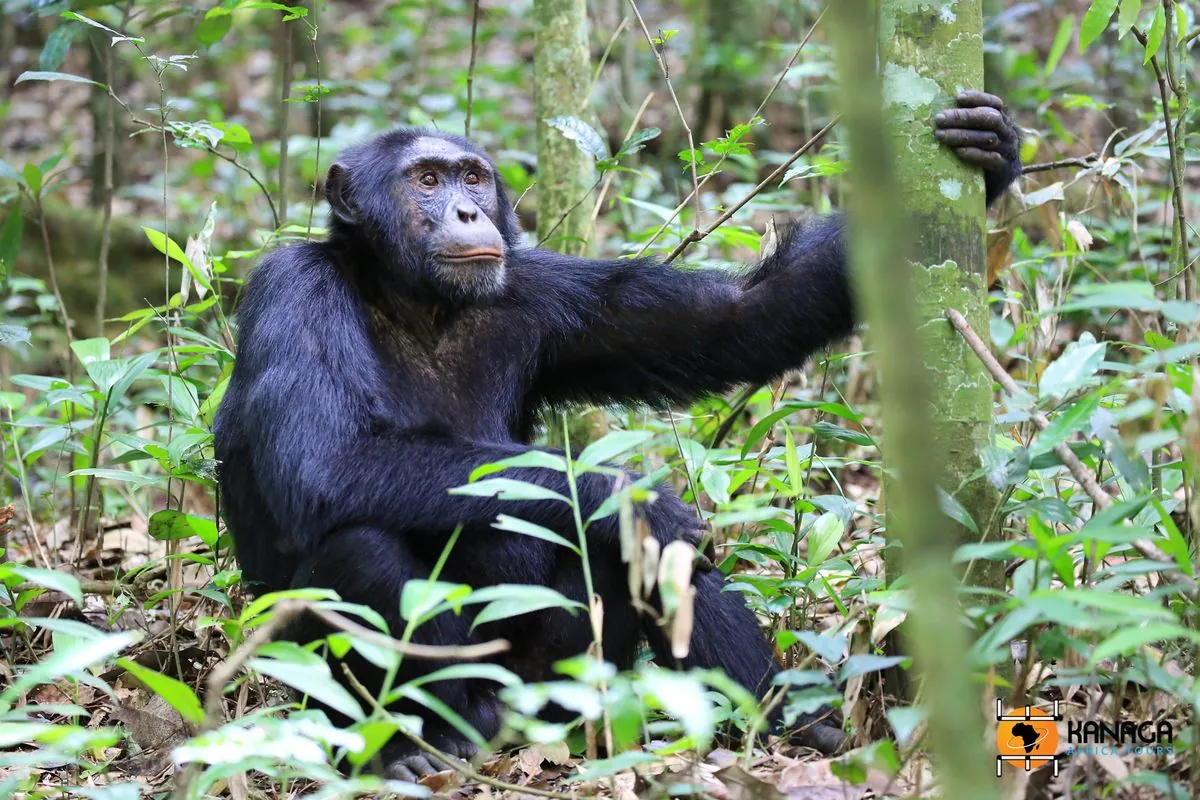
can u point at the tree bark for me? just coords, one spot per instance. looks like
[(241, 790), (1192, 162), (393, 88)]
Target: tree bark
[(562, 83), (934, 405), (928, 53)]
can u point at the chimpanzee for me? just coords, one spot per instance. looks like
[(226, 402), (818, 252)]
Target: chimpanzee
[(377, 369)]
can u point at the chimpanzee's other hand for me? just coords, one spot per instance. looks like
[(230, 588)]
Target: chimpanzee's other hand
[(982, 134)]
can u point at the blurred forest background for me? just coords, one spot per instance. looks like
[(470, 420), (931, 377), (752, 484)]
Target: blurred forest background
[(152, 150)]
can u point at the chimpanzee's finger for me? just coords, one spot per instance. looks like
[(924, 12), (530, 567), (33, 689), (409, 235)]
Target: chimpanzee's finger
[(989, 160), (960, 137), (976, 99), (980, 119)]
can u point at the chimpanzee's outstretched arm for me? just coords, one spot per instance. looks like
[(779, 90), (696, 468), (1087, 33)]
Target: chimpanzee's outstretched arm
[(637, 330)]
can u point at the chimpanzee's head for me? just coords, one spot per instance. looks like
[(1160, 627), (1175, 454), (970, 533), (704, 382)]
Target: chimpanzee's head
[(431, 209)]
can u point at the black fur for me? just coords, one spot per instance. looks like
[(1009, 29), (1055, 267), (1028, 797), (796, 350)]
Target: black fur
[(362, 393)]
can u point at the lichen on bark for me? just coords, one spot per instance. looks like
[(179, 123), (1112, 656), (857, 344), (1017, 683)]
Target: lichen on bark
[(930, 51), (562, 83)]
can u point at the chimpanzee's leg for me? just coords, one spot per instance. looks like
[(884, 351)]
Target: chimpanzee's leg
[(726, 634), (369, 566)]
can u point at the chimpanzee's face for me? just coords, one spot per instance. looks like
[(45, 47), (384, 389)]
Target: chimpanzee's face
[(430, 208), (448, 202)]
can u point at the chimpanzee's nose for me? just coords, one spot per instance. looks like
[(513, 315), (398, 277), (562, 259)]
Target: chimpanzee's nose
[(467, 212)]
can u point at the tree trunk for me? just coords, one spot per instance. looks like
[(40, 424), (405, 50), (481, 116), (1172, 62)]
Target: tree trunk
[(936, 404), (928, 53), (562, 82)]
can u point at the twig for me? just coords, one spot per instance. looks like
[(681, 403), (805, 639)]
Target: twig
[(608, 178), (285, 111), (465, 770), (456, 764), (716, 167), (1082, 162), (313, 32), (697, 235), (471, 68), (662, 65), (1081, 473), (466, 652)]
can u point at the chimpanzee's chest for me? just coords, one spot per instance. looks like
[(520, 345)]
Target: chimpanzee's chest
[(465, 377)]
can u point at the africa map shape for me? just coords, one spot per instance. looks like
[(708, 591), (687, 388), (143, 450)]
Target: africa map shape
[(1030, 736)]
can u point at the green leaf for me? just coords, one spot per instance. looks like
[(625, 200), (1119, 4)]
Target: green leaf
[(508, 489), (823, 538), (69, 661), (507, 523), (612, 445), (583, 135), (10, 241), (168, 246), (54, 51), (169, 525), (514, 599), (1095, 21), (1154, 38), (214, 26), (420, 596), (1074, 368), (1062, 41), (177, 693), (47, 578), (37, 75), (1130, 10), (1128, 640), (313, 679)]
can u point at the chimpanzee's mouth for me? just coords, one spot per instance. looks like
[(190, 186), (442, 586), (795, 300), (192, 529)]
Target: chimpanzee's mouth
[(476, 254)]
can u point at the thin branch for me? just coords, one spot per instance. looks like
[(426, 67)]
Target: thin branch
[(716, 167), (313, 31), (662, 65), (1080, 472), (1082, 162), (696, 236), (466, 652), (471, 68), (285, 111)]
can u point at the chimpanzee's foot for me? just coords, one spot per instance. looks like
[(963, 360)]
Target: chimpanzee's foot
[(821, 734), (404, 762)]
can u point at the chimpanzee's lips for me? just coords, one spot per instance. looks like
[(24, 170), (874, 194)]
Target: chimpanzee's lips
[(476, 254)]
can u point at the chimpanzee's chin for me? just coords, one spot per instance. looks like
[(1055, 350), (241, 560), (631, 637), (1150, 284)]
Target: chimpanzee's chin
[(472, 280)]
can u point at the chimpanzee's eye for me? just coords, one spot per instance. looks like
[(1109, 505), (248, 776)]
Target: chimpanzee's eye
[(472, 178), (429, 179)]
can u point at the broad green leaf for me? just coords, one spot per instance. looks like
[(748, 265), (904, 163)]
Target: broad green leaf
[(507, 523), (170, 525), (864, 663), (312, 679), (1074, 368), (54, 51), (470, 671), (69, 661), (90, 350), (513, 600), (1154, 38), (1130, 10), (612, 445), (168, 246), (37, 75), (508, 489), (177, 693), (530, 458), (63, 582), (583, 135), (214, 26), (1062, 41), (1095, 21), (419, 597), (1129, 640), (824, 537)]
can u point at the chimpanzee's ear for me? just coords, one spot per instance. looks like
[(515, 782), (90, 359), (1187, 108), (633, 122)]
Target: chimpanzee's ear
[(337, 194)]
